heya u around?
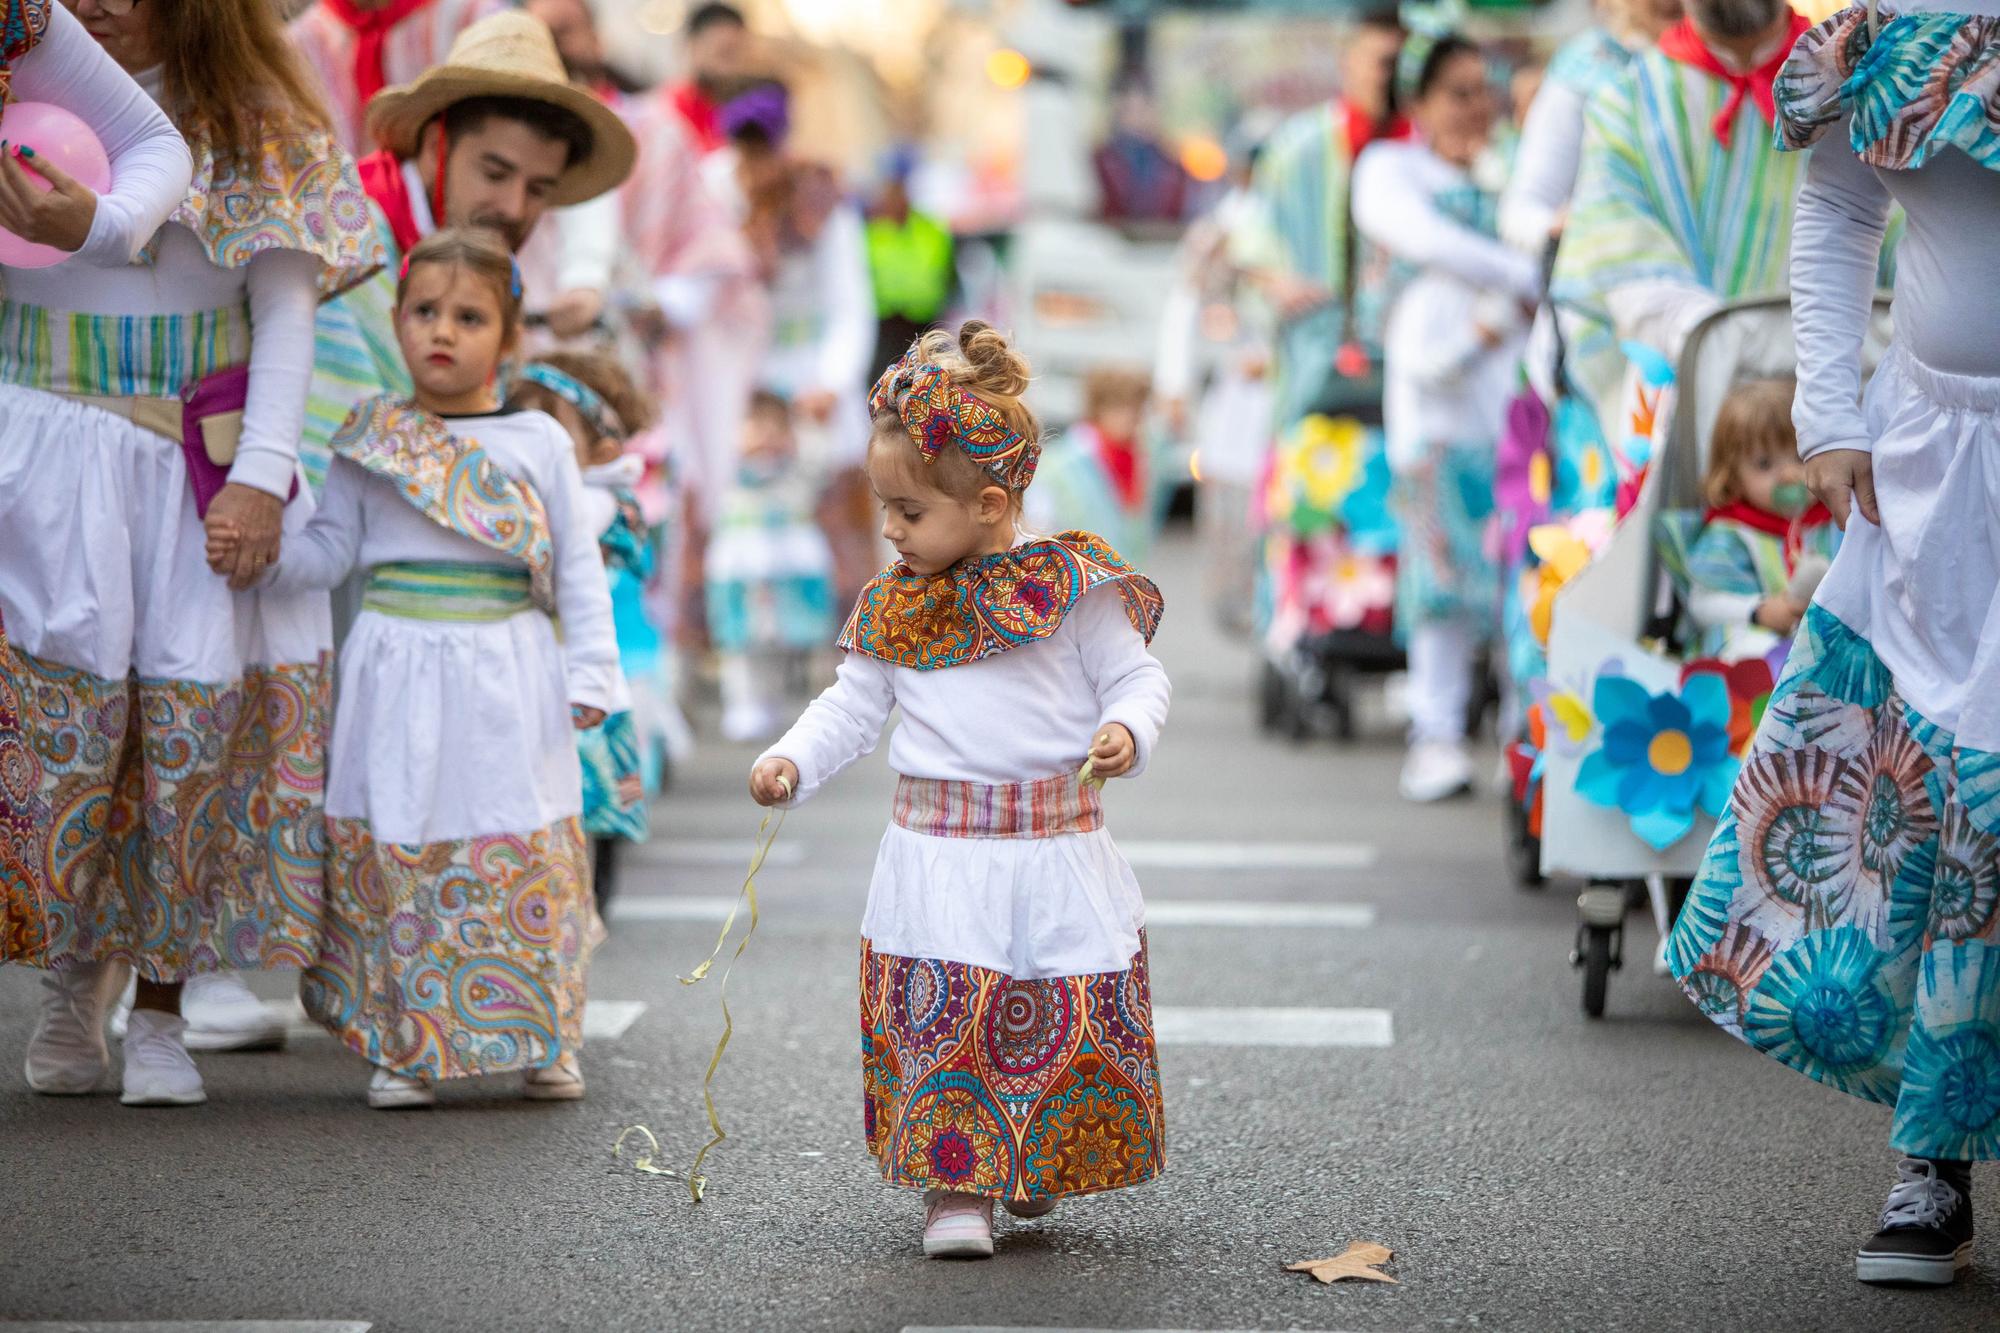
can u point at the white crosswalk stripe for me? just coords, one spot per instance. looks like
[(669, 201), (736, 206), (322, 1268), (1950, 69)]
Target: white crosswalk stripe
[(1160, 912), (1272, 1027)]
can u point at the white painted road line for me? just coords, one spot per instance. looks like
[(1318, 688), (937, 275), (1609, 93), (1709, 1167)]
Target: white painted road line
[(716, 853), (1155, 855), (603, 1020), (1272, 1027), (191, 1326), (1170, 912), (1048, 1328), (1337, 916)]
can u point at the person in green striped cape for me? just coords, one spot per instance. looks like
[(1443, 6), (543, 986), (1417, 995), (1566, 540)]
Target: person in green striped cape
[(1682, 199)]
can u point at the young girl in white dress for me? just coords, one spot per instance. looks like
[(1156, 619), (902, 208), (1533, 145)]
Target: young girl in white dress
[(458, 895), (1007, 1037)]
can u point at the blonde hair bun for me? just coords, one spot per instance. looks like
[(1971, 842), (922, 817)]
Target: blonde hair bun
[(984, 361)]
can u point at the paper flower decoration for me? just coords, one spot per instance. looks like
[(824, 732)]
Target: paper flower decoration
[(1662, 757), (1750, 683), (1357, 586), (1319, 464), (1365, 512), (1563, 556), (1526, 756), (1521, 477)]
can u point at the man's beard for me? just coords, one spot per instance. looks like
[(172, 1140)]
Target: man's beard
[(1735, 19), (514, 233)]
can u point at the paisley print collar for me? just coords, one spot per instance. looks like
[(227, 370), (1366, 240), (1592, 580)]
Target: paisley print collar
[(982, 607), (22, 23), (454, 482)]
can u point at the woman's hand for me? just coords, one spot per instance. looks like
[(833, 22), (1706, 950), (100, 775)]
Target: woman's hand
[(257, 518), (773, 781), (1781, 615), (60, 216), (1114, 752), (583, 717), (1840, 474)]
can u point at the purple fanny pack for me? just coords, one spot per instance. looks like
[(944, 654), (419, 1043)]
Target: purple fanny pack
[(211, 422)]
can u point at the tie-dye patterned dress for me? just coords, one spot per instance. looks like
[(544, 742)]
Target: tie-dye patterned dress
[(1846, 920)]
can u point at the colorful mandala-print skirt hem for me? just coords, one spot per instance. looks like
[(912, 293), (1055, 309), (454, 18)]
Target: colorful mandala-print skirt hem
[(454, 959), (173, 825), (980, 1084), (1844, 921)]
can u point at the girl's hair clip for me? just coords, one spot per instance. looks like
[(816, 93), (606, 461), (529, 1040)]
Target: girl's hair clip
[(515, 265), (403, 274)]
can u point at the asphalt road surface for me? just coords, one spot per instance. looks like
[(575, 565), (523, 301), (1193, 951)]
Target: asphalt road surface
[(1368, 1034)]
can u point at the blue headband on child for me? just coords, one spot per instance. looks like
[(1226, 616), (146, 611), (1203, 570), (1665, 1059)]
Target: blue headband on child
[(1426, 26), (586, 400)]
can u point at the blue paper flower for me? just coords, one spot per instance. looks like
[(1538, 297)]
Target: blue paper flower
[(1662, 756), (1371, 527)]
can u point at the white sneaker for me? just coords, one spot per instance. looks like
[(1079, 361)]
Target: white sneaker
[(1436, 771), (67, 1056), (222, 1015), (957, 1226), (560, 1082), (158, 1069), (390, 1091)]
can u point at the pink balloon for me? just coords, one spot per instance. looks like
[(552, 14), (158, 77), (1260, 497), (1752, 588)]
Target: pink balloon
[(63, 139)]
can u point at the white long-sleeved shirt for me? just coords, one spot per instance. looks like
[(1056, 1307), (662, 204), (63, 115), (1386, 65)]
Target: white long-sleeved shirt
[(363, 521), (1022, 715), (1944, 316), (1396, 184)]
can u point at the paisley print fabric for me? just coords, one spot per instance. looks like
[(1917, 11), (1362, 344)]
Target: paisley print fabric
[(986, 605), (454, 959), (301, 194), (980, 1084), (451, 481), (22, 23), (169, 824), (1846, 920), (1924, 82), (938, 412)]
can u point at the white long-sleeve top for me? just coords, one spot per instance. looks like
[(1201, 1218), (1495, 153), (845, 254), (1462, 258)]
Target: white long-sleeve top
[(1945, 314), (1396, 184), (280, 288), (1027, 907), (150, 165), (363, 521), (1545, 167)]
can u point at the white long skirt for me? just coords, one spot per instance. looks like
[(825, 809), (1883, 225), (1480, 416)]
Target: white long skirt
[(166, 809)]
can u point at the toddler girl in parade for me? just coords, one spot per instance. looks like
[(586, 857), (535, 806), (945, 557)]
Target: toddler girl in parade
[(601, 407), (1846, 919), (769, 574), (458, 914), (1100, 476), (1764, 543), (1006, 1016)]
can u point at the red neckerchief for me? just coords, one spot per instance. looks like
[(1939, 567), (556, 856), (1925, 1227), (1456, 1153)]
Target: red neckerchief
[(370, 28), (1789, 531), (1121, 461), (1363, 129), (703, 117), (382, 178), (1681, 42)]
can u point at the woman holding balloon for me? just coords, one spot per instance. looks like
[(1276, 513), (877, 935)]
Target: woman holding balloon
[(169, 814)]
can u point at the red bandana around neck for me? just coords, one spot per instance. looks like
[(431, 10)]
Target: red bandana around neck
[(370, 28), (1681, 42), (382, 178)]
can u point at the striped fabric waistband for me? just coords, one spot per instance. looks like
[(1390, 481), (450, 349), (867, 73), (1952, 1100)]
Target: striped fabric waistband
[(118, 356), (447, 590), (1047, 808)]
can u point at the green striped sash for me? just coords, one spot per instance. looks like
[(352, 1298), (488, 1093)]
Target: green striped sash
[(447, 590), (117, 356)]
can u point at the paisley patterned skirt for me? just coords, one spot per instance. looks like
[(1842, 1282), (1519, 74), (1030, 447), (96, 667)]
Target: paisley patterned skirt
[(163, 749), (1847, 917), (981, 1084)]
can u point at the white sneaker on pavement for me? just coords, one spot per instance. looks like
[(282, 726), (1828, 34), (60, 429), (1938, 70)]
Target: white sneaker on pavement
[(560, 1082), (390, 1091), (158, 1069), (1436, 771), (222, 1015), (67, 1056), (957, 1226)]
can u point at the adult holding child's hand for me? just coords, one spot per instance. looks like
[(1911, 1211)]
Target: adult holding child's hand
[(255, 520)]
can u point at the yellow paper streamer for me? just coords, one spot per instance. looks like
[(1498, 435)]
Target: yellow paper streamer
[(767, 836)]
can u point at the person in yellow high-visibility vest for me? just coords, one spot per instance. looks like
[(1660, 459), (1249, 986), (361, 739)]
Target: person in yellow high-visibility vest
[(912, 262)]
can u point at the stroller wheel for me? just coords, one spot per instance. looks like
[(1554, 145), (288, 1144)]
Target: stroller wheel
[(1599, 955), (1338, 695), (1524, 849), (1271, 693)]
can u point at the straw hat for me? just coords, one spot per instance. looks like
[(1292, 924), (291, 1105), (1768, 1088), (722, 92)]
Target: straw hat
[(508, 55)]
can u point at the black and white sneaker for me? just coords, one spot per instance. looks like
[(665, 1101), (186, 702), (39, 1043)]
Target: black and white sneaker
[(1926, 1234)]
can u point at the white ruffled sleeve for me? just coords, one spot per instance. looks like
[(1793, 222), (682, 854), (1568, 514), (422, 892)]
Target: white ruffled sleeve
[(150, 165), (840, 726), (1843, 212)]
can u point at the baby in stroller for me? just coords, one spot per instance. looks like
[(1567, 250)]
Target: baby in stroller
[(1763, 544)]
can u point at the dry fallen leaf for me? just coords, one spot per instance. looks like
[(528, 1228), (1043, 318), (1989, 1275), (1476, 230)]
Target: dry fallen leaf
[(1357, 1261)]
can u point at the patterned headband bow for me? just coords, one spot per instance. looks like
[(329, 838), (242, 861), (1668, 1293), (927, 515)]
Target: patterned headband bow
[(1425, 26), (587, 401), (938, 412)]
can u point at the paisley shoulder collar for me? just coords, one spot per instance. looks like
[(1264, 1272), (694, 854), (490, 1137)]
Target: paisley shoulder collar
[(22, 23), (454, 482), (982, 607)]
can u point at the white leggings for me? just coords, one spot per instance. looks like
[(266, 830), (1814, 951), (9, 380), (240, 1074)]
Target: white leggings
[(1443, 656)]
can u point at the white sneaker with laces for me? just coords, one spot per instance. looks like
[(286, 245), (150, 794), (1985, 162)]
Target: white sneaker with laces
[(67, 1056), (158, 1069), (222, 1015), (390, 1091), (957, 1226), (560, 1082), (1436, 771)]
